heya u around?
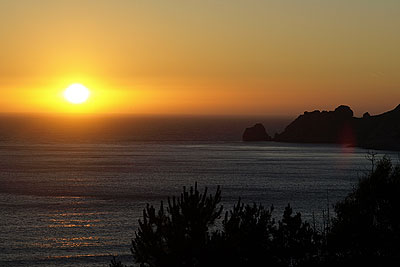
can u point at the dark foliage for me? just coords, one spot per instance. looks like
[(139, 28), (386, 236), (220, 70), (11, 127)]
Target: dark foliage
[(367, 223), (253, 238), (296, 243), (178, 235), (365, 231), (181, 235), (247, 234), (116, 263)]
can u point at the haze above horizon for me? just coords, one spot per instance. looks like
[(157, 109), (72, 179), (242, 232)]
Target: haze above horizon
[(189, 57)]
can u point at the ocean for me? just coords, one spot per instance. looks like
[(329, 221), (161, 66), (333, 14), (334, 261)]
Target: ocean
[(73, 188)]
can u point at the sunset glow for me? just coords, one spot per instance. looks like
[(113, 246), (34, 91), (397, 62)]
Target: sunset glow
[(108, 107), (146, 57)]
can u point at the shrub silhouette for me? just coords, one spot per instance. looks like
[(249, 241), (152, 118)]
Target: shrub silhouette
[(178, 235), (296, 243), (253, 238), (247, 234), (367, 224), (182, 235), (366, 230)]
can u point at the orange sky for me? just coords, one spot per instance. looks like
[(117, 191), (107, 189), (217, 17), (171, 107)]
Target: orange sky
[(200, 57)]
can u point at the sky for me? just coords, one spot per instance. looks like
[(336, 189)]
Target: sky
[(200, 57)]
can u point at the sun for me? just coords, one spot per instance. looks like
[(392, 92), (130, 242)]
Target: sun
[(76, 93)]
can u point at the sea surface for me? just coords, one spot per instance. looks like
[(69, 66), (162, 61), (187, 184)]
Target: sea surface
[(72, 196)]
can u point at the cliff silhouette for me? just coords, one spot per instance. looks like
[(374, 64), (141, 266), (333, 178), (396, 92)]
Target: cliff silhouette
[(341, 127), (380, 131)]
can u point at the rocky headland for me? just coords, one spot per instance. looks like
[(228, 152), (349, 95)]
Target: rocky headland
[(341, 127)]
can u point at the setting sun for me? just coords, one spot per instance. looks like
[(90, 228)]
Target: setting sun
[(76, 93), (108, 108)]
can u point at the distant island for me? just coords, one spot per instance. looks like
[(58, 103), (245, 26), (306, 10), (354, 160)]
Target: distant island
[(337, 127)]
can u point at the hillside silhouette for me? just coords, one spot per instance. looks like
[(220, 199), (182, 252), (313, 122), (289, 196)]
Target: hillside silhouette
[(341, 127)]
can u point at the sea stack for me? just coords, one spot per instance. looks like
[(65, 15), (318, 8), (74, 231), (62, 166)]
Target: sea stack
[(256, 133)]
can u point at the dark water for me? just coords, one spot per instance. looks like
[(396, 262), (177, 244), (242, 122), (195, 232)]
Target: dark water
[(74, 199)]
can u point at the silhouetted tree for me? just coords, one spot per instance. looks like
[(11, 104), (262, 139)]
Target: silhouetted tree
[(182, 235), (295, 242), (366, 230), (367, 224), (251, 237), (178, 235), (248, 235)]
